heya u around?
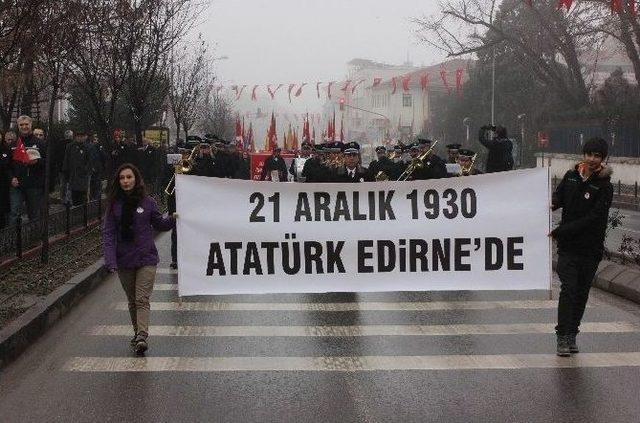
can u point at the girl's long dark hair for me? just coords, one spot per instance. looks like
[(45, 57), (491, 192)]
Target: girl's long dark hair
[(117, 193)]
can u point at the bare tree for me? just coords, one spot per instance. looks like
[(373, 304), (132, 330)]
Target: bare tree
[(217, 116), (98, 66), (548, 41), (191, 84), (155, 27)]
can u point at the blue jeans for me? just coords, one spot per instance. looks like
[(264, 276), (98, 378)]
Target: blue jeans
[(33, 199)]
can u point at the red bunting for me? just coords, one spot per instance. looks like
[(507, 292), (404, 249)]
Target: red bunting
[(254, 97), (346, 86), (273, 93), (406, 80), (459, 74), (565, 3), (291, 87), (424, 81), (443, 76), (353, 89), (239, 93), (299, 91), (329, 89), (318, 88), (395, 85)]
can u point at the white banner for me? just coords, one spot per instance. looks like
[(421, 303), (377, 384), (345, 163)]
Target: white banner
[(485, 232)]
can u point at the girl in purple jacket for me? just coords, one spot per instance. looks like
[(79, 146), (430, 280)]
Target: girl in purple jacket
[(130, 223)]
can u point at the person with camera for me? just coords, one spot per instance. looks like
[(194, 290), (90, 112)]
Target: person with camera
[(500, 156)]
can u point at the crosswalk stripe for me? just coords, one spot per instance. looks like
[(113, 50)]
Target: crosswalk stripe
[(369, 330), (359, 306), (166, 271), (350, 364)]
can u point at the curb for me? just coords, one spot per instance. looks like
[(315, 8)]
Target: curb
[(617, 279), (18, 335)]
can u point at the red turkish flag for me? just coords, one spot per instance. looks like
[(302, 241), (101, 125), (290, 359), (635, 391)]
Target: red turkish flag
[(329, 89), (353, 89), (254, 97), (318, 88), (395, 85), (565, 3), (616, 5), (459, 74), (20, 153), (346, 86), (291, 87), (376, 82)]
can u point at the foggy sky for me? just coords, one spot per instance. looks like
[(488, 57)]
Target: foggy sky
[(292, 41)]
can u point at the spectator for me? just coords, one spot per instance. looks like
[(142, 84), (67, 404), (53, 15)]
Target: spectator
[(59, 149), (77, 168), (130, 223), (147, 157), (98, 162), (27, 172), (500, 157)]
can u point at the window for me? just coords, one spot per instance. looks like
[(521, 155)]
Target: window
[(406, 100)]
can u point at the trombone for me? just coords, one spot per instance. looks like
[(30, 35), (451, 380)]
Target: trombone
[(464, 171), (184, 166), (417, 163)]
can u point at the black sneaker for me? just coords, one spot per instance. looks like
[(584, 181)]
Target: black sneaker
[(141, 344), (133, 341), (573, 347), (173, 265), (563, 346)]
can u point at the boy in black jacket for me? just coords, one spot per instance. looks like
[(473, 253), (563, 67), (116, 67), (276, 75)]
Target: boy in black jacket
[(585, 196)]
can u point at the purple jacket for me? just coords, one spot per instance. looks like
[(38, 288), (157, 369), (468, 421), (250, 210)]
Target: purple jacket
[(119, 254)]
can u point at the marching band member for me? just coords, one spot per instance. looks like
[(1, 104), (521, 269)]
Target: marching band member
[(351, 171), (274, 168), (467, 163), (452, 153)]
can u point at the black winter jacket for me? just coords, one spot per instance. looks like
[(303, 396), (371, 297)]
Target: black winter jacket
[(585, 212), (30, 176), (499, 157)]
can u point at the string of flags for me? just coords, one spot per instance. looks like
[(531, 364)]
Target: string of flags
[(616, 6), (294, 90)]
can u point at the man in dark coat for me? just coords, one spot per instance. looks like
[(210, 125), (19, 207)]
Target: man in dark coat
[(351, 171), (500, 156), (27, 174), (433, 167), (584, 195), (466, 159), (98, 161), (77, 168), (382, 164), (274, 168)]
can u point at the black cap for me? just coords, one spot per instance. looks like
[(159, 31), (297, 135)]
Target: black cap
[(351, 148), (398, 147), (415, 146), (333, 147), (466, 153), (306, 146), (454, 146), (381, 149)]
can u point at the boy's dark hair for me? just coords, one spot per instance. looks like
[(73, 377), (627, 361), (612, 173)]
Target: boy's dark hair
[(501, 132), (596, 145)]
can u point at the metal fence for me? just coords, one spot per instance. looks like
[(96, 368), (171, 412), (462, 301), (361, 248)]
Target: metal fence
[(23, 236)]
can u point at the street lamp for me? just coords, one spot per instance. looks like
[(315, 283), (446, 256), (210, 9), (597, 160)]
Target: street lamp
[(467, 123), (521, 118)]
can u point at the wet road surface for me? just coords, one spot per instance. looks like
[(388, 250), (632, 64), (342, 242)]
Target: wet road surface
[(450, 357)]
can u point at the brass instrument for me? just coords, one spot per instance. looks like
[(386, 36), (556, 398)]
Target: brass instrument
[(184, 166), (381, 175), (464, 171), (417, 163)]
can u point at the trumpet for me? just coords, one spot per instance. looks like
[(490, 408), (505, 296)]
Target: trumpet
[(184, 166), (417, 163)]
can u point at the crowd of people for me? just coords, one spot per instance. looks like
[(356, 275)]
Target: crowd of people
[(79, 165)]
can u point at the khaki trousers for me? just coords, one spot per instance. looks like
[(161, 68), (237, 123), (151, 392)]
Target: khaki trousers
[(138, 285)]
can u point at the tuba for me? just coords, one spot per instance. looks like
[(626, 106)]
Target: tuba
[(184, 166)]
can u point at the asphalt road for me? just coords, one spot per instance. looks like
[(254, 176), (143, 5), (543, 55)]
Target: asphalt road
[(405, 357)]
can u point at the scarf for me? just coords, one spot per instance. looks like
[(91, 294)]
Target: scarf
[(129, 205), (583, 168)]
